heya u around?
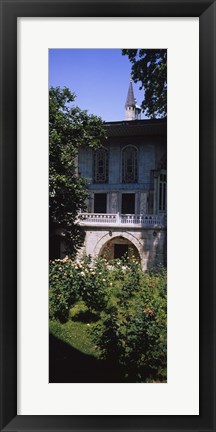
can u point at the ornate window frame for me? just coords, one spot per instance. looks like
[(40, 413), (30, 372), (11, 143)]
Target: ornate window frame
[(129, 172), (162, 191), (162, 184), (100, 165)]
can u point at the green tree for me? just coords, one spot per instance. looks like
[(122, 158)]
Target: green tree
[(69, 129), (150, 67)]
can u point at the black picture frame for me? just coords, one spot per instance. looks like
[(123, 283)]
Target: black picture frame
[(10, 11)]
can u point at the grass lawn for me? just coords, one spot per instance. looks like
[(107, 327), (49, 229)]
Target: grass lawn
[(75, 334), (73, 354)]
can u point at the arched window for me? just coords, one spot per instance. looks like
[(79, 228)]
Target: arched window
[(162, 184), (129, 165), (101, 165), (162, 191)]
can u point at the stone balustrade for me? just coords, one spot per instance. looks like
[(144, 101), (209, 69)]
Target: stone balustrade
[(135, 220)]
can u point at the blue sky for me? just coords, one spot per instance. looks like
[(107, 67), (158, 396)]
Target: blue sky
[(99, 78)]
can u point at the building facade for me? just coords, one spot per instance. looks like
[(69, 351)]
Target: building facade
[(127, 177)]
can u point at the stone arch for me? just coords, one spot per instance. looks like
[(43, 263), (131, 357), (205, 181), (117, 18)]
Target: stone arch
[(107, 237)]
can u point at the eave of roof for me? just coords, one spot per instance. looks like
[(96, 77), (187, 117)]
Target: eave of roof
[(136, 127)]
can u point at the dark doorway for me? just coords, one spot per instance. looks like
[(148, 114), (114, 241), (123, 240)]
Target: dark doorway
[(100, 203), (120, 250), (128, 203)]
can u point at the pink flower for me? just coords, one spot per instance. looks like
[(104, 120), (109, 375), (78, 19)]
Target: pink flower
[(148, 311)]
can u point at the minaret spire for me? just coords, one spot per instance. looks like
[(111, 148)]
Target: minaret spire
[(132, 111), (130, 101)]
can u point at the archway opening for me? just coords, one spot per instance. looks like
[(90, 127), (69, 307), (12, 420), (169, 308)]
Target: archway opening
[(119, 248)]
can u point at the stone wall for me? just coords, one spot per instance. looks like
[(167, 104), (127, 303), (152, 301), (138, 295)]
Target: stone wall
[(150, 243)]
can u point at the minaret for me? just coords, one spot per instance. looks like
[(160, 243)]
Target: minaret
[(132, 110), (130, 103)]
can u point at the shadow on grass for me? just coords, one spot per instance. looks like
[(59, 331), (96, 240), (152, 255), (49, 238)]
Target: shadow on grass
[(86, 317), (68, 365)]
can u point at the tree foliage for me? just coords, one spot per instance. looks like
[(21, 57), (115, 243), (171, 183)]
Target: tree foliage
[(150, 67), (69, 129)]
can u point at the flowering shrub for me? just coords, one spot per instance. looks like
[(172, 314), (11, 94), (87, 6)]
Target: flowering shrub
[(70, 281), (93, 289), (131, 306), (63, 288), (132, 330)]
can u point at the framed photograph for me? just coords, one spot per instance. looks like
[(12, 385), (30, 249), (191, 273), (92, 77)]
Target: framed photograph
[(128, 260)]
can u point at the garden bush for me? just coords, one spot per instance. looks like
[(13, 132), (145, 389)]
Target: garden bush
[(128, 307), (93, 288), (132, 330), (71, 280), (63, 288)]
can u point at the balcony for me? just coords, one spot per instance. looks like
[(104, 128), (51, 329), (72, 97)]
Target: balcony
[(120, 220)]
